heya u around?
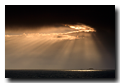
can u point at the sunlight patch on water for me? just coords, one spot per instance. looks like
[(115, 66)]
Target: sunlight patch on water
[(82, 70)]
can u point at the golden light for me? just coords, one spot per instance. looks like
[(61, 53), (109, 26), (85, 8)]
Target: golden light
[(82, 28), (72, 27), (68, 47), (83, 70)]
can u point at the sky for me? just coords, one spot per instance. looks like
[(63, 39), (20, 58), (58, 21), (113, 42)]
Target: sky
[(49, 37)]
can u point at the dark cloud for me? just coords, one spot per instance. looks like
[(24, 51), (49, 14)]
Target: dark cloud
[(39, 15)]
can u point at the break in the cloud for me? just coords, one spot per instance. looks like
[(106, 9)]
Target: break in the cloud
[(55, 48)]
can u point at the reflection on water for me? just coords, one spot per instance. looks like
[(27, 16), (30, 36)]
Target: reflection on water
[(88, 74), (84, 70)]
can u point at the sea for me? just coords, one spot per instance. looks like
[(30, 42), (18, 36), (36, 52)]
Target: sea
[(60, 74)]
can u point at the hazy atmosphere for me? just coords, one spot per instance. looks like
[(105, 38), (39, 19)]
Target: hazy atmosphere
[(68, 37)]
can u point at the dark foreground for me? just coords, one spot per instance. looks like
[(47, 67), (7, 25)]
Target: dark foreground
[(59, 74)]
